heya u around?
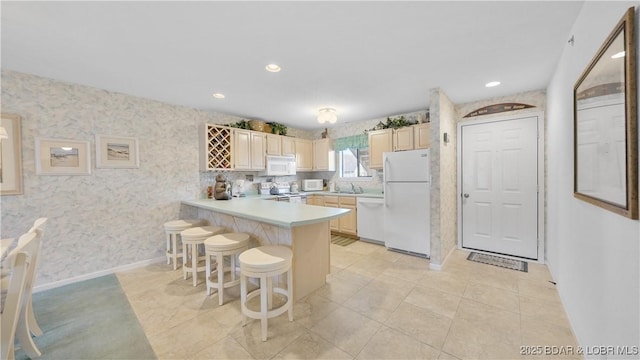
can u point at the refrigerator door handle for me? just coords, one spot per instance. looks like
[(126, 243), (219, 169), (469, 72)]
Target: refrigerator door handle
[(386, 194)]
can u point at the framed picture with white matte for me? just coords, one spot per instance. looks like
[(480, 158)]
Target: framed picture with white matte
[(117, 152), (62, 157)]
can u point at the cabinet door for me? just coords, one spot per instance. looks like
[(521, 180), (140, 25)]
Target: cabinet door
[(332, 201), (323, 155), (242, 149), (422, 136), (380, 141), (304, 155), (288, 145), (403, 139), (349, 223), (258, 144), (274, 144)]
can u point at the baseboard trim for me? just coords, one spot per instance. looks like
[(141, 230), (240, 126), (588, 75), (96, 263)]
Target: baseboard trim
[(59, 283), (438, 267)]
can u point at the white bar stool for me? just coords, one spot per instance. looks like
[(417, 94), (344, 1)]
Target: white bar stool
[(219, 246), (191, 238), (264, 262), (173, 229)]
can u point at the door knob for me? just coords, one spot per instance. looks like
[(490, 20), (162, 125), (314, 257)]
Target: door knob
[(466, 195)]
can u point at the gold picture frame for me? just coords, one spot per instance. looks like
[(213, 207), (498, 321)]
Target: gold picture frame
[(117, 152), (605, 124), (62, 157), (11, 156)]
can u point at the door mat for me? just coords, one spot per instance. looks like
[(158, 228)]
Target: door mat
[(499, 261), (342, 240)]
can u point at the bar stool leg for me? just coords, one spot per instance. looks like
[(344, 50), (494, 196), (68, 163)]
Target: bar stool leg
[(269, 293), (290, 292), (207, 272), (184, 259), (174, 242), (194, 263), (263, 306), (243, 297), (220, 260), (169, 248)]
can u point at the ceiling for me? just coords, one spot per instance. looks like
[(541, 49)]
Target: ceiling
[(366, 59)]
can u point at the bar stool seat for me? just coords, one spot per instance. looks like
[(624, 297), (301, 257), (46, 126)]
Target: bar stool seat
[(219, 246), (193, 238), (172, 230), (263, 263)]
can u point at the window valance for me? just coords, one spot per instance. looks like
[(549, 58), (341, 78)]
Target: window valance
[(351, 142)]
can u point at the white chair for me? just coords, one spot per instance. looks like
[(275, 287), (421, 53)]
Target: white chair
[(192, 239), (173, 230), (12, 304), (263, 263), (32, 325), (219, 246)]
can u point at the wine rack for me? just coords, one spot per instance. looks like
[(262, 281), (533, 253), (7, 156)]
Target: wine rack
[(218, 147)]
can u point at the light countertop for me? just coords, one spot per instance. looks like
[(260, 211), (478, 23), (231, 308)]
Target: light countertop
[(259, 208), (377, 194)]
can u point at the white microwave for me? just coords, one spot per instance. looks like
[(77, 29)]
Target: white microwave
[(312, 185), (280, 166)]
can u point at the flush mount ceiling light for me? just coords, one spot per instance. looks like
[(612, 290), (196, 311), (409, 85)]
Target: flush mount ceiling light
[(327, 115), (218, 95), (273, 68), (492, 84), (618, 55)]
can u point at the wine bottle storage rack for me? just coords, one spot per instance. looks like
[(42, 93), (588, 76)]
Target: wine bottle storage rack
[(218, 141)]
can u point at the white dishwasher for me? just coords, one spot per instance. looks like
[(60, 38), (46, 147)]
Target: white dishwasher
[(370, 214)]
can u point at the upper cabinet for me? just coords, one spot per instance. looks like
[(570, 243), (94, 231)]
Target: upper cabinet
[(274, 144), (249, 150), (380, 141), (304, 154), (258, 150), (405, 138), (288, 145), (324, 158), (422, 136)]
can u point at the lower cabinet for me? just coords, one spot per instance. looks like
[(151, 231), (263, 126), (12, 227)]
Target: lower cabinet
[(347, 224)]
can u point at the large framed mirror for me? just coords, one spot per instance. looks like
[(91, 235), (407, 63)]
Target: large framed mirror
[(605, 124)]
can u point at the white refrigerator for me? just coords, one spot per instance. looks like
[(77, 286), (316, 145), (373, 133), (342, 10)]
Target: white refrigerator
[(407, 183)]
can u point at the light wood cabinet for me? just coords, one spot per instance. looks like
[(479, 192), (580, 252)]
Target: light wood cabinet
[(380, 141), (242, 149), (288, 145), (304, 154), (249, 150), (348, 224), (403, 139), (258, 147), (274, 144), (317, 200), (215, 148), (422, 136), (324, 158), (332, 201)]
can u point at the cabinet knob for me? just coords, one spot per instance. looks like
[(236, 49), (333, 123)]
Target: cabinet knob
[(466, 195)]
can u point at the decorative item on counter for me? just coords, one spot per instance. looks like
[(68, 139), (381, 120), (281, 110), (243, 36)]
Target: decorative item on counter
[(294, 187), (274, 189), (220, 192), (325, 133), (209, 192)]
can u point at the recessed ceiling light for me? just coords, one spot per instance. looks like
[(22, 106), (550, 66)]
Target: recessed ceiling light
[(218, 95), (492, 84), (273, 68), (618, 55)]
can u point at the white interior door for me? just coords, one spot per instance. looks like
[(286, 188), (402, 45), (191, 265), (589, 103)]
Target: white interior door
[(499, 168)]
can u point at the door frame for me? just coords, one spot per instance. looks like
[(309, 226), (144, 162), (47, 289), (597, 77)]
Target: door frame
[(541, 175)]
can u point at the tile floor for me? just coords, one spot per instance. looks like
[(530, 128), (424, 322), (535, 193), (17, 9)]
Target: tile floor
[(376, 304)]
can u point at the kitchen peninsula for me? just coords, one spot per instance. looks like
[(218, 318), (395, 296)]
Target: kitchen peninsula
[(304, 228)]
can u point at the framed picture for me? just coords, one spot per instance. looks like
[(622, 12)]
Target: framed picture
[(117, 152), (605, 125), (10, 155), (62, 157)]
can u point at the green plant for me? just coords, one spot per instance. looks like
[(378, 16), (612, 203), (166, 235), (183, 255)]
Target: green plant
[(392, 123), (242, 124), (277, 128)]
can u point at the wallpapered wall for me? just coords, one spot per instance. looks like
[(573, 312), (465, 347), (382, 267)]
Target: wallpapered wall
[(112, 217)]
